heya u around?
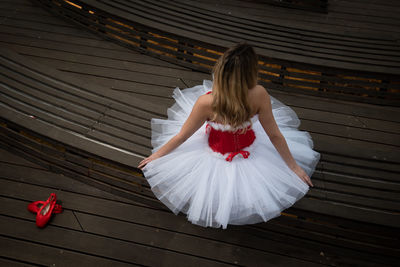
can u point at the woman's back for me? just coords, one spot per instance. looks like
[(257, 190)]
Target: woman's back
[(253, 99)]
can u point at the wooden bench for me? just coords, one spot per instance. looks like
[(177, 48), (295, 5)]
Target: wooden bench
[(78, 128), (293, 60), (313, 5)]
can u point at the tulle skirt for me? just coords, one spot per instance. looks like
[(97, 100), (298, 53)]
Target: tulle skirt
[(213, 192)]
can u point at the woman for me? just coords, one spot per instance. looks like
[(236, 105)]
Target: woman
[(230, 155)]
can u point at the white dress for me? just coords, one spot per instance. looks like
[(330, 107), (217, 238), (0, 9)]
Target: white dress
[(214, 192)]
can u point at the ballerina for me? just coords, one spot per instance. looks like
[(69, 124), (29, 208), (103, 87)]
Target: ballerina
[(229, 153)]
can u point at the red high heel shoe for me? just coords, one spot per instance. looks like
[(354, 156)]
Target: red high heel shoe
[(36, 205), (44, 213)]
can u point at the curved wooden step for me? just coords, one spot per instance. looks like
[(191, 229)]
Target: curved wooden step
[(293, 60)]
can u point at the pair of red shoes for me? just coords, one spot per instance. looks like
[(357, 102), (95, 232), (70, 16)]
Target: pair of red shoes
[(48, 207)]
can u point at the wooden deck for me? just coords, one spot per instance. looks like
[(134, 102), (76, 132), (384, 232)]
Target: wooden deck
[(314, 61), (79, 106)]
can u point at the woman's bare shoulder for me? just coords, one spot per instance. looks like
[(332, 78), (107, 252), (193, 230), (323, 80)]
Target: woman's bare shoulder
[(260, 95), (261, 90), (205, 102), (206, 99)]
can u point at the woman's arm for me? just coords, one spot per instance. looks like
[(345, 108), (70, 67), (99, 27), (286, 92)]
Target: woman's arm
[(196, 119), (268, 122)]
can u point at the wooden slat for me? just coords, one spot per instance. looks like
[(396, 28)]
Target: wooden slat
[(134, 241), (130, 186), (13, 263), (124, 11), (46, 255), (176, 55), (308, 21), (344, 187), (45, 177), (105, 208)]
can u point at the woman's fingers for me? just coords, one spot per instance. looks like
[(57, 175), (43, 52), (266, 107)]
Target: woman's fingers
[(308, 180), (143, 163)]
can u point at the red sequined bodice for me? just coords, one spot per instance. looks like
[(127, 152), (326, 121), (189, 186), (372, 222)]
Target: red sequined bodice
[(224, 141)]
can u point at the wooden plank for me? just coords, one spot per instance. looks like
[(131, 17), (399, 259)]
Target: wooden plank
[(59, 167), (46, 178), (120, 136), (331, 186), (316, 226), (35, 113), (183, 243), (333, 172), (348, 120), (65, 48), (67, 30), (88, 131), (292, 25), (305, 233), (45, 111), (373, 8), (167, 9), (347, 194), (298, 19), (99, 246), (355, 148), (13, 263), (188, 6), (321, 74), (338, 106), (70, 101), (154, 78), (379, 175), (131, 89), (76, 60), (156, 92), (362, 134), (91, 106), (6, 157), (96, 92), (39, 95), (214, 23), (157, 21), (348, 211), (22, 39), (20, 35), (146, 216), (71, 139), (47, 255), (162, 25), (43, 17)]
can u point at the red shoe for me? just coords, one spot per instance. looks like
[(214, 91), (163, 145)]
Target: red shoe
[(44, 213), (35, 206)]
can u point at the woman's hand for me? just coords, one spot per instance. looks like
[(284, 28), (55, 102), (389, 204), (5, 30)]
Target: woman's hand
[(302, 174), (198, 115), (147, 160)]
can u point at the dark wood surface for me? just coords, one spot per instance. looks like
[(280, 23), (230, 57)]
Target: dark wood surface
[(200, 21), (373, 19), (316, 61), (97, 228), (92, 101)]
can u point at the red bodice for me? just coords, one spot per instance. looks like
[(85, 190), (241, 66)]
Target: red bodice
[(232, 142)]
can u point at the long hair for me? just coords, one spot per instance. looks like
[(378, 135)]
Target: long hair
[(235, 72)]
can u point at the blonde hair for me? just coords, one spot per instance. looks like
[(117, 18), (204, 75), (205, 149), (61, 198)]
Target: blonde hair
[(235, 72)]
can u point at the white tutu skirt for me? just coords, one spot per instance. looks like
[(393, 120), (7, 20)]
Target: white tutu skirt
[(214, 192)]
